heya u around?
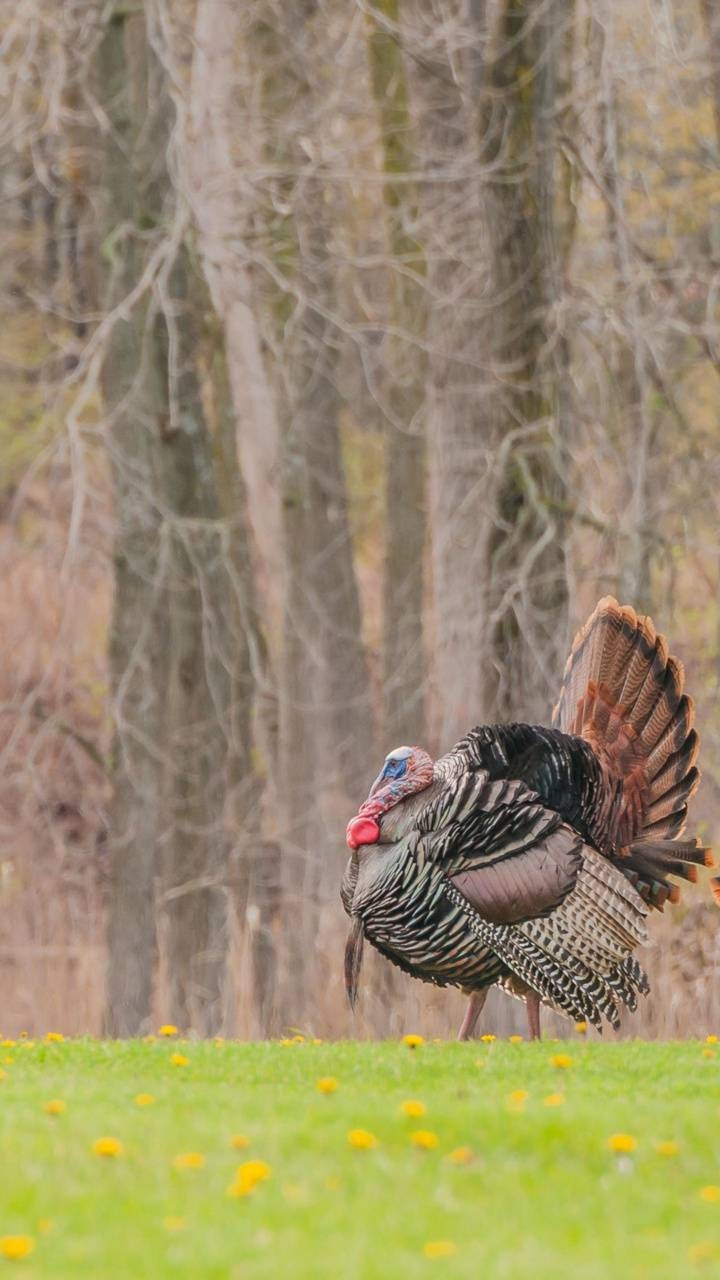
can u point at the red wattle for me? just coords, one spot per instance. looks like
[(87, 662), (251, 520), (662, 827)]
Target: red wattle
[(362, 831)]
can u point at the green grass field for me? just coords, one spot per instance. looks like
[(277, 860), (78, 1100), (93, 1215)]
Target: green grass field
[(534, 1192)]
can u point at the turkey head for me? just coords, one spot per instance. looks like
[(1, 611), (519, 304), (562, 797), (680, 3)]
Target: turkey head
[(405, 772)]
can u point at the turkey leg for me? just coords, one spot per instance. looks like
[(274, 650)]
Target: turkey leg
[(532, 1004), (472, 1013)]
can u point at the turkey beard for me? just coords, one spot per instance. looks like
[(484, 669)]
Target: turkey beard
[(353, 959)]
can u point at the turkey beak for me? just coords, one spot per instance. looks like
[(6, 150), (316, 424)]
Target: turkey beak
[(376, 785), (353, 959)]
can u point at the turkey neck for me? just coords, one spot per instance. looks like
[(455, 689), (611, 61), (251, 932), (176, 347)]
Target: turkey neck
[(402, 818)]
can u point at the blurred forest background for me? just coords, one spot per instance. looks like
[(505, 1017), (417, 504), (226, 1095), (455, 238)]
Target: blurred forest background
[(348, 353)]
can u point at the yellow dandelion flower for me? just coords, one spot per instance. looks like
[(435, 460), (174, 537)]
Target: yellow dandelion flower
[(516, 1100), (711, 1039), (413, 1108), (3, 1074), (286, 1043), (219, 1041), (440, 1249), (515, 1039), (16, 1247), (149, 1039), (239, 1141), (424, 1139), (711, 1194), (174, 1224), (179, 1060), (326, 1084), (189, 1160), (54, 1107), (54, 1037), (8, 1059), (487, 1039), (247, 1178), (167, 1029), (362, 1139), (8, 1044), (622, 1143), (298, 1039), (316, 1041), (708, 1053), (413, 1041), (561, 1060), (238, 1189), (28, 1044), (461, 1155), (144, 1099), (667, 1148), (703, 1251), (108, 1147), (254, 1170), (581, 1028), (554, 1100)]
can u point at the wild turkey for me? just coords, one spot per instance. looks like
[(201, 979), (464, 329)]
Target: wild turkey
[(531, 856)]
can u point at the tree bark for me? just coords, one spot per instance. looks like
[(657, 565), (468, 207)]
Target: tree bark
[(403, 655), (325, 727), (252, 798), (527, 553), (132, 387), (324, 697), (498, 490), (635, 423), (711, 14), (199, 686), (220, 207), (192, 699), (461, 442)]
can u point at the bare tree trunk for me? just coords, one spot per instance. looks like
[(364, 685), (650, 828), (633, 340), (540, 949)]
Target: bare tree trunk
[(527, 569), (403, 656), (212, 184), (324, 697), (711, 13), (198, 698), (460, 436), (199, 684), (135, 405), (498, 493), (255, 860), (223, 208), (636, 426), (325, 728), (76, 228)]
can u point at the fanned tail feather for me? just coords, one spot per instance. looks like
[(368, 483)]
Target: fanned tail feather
[(623, 692)]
